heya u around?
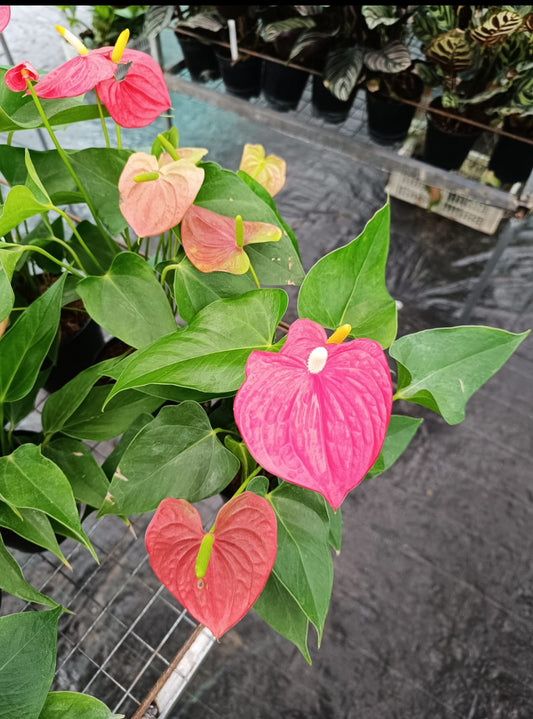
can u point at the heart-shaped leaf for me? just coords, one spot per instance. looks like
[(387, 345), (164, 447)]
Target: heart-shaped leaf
[(32, 525), (176, 455), (442, 368), (28, 646), (348, 286), (67, 705), (400, 432), (218, 586), (13, 582)]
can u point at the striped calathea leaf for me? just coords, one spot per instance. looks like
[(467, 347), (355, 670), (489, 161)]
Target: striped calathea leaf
[(209, 21), (273, 30), (307, 40), (451, 51), (376, 15), (497, 28), (343, 69), (430, 21), (394, 57)]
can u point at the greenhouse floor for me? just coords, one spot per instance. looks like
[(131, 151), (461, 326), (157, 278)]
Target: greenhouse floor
[(432, 606)]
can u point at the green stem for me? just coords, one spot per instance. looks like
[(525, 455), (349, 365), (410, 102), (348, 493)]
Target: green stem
[(79, 237), (247, 481), (102, 119), (62, 154), (168, 147), (40, 251), (165, 271), (3, 438), (396, 396), (252, 271), (119, 139)]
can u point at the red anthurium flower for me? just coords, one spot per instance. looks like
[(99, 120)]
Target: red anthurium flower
[(15, 78), (5, 16), (316, 414), (212, 243), (218, 575), (154, 195), (137, 93)]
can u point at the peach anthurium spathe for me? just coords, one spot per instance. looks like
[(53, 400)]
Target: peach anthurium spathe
[(212, 244), (218, 575), (316, 413), (154, 195), (268, 171)]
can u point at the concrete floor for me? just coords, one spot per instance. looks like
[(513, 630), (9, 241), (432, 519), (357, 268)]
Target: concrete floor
[(432, 607)]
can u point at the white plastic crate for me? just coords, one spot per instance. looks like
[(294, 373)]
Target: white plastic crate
[(451, 205)]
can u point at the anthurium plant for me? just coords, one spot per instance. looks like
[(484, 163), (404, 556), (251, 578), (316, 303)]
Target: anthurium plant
[(185, 263)]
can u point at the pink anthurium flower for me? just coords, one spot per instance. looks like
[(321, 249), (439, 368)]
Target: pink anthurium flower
[(5, 16), (154, 195), (268, 171), (316, 413), (15, 78), (217, 575), (215, 243), (130, 83)]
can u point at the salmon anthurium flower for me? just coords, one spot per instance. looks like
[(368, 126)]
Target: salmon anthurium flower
[(154, 195), (316, 413), (215, 575), (215, 243), (5, 16), (15, 78), (130, 83), (267, 171)]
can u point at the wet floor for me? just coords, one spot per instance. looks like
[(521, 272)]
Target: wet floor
[(432, 607)]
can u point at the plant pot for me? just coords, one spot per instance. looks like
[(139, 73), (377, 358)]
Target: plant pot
[(200, 58), (448, 140), (283, 86), (512, 160), (79, 346), (389, 119), (324, 104), (241, 78)]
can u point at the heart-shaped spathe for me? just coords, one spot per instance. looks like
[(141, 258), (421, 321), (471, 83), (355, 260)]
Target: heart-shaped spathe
[(316, 414), (242, 556)]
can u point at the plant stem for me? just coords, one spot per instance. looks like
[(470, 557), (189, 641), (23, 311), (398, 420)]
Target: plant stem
[(165, 271), (79, 237), (252, 271), (119, 140), (102, 119), (40, 251)]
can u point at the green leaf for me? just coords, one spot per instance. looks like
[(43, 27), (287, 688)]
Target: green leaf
[(7, 296), (303, 562), (33, 526), (12, 581), (102, 249), (277, 607), (210, 354), (258, 485), (20, 205), (25, 345), (273, 30), (376, 15), (240, 450), (194, 290), (176, 455), (94, 423), (400, 432), (67, 705), (347, 286), (335, 527), (128, 301), (224, 192), (393, 57), (76, 461), (442, 368), (343, 70), (30, 481), (112, 460), (28, 646)]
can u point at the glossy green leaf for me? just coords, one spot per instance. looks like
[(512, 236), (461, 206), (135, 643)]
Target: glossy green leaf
[(442, 368), (176, 455), (347, 286), (210, 354), (225, 192), (20, 204), (128, 301), (303, 563), (258, 485), (28, 646), (63, 403), (343, 70), (12, 581), (277, 607), (7, 296), (78, 464), (194, 290), (112, 460), (25, 345), (30, 481), (70, 705), (239, 449), (94, 423), (400, 432), (32, 525)]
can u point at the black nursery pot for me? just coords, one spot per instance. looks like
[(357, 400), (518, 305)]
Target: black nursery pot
[(241, 78), (200, 58), (512, 160), (448, 141), (388, 119), (283, 86), (324, 104), (75, 354)]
